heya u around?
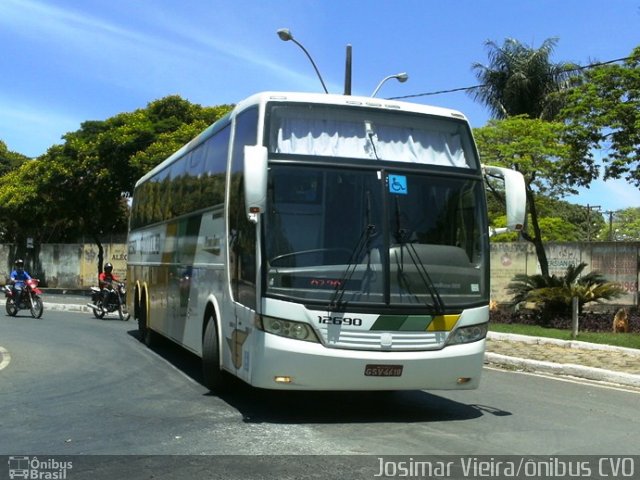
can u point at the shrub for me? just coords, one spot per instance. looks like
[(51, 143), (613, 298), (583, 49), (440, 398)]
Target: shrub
[(597, 322), (553, 295)]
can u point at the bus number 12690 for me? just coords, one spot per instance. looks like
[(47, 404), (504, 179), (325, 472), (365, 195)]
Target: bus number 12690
[(327, 319)]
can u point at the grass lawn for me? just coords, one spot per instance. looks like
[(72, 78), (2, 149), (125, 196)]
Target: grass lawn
[(629, 340)]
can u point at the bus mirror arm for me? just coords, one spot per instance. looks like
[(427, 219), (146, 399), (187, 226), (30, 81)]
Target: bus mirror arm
[(255, 180), (515, 194)]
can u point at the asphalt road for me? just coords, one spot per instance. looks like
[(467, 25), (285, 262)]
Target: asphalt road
[(74, 385)]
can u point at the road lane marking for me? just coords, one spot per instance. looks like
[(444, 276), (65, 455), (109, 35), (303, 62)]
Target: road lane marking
[(575, 380), (5, 357)]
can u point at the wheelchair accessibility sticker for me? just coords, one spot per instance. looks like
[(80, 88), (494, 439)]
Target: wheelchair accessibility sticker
[(398, 184)]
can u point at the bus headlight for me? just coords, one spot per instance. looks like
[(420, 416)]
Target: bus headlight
[(286, 328), (469, 334)]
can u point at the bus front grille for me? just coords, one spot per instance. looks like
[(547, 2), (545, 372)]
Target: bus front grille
[(384, 341)]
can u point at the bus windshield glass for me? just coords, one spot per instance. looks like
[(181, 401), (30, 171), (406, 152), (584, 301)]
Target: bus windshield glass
[(357, 133), (374, 237)]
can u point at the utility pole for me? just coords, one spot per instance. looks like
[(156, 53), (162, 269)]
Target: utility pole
[(589, 208), (610, 213)]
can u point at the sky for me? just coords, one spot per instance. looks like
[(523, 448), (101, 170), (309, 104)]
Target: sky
[(64, 62)]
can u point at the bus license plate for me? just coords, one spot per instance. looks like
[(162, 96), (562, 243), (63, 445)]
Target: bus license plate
[(383, 370)]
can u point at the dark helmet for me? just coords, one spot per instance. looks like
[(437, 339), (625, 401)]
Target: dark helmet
[(19, 263), (108, 268)]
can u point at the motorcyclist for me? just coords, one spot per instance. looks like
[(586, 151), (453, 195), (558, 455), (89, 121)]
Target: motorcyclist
[(18, 278), (105, 282)]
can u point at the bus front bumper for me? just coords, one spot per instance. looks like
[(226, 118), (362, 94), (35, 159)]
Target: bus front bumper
[(285, 364)]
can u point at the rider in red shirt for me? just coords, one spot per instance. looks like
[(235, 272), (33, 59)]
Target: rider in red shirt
[(105, 282)]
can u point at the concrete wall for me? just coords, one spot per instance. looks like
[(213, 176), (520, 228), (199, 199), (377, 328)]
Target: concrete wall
[(67, 266), (74, 266), (616, 261)]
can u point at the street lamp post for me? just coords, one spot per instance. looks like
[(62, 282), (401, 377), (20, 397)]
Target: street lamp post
[(401, 77), (285, 35)]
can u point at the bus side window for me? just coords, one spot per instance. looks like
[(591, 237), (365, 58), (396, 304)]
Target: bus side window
[(214, 168)]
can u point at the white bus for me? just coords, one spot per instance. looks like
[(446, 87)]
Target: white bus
[(321, 242)]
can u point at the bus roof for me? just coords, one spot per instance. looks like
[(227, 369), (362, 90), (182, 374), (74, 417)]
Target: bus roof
[(262, 98), (346, 100)]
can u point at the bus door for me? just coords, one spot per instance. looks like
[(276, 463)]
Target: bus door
[(240, 351), (243, 285)]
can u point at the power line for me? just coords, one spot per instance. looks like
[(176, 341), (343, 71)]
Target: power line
[(474, 87)]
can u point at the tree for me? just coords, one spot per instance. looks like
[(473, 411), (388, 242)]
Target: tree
[(522, 84), (521, 80), (560, 221), (536, 149), (103, 155), (20, 205), (603, 112), (622, 226), (577, 223), (78, 185), (9, 160)]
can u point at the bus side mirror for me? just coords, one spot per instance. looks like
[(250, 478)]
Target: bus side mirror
[(515, 195), (255, 180)]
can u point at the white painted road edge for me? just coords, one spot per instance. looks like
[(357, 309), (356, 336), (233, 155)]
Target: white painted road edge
[(5, 358)]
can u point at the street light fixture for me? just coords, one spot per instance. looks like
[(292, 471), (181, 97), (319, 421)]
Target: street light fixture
[(401, 77), (285, 35)]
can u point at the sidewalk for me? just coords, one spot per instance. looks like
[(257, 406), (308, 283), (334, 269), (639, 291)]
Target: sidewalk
[(66, 300), (603, 363)]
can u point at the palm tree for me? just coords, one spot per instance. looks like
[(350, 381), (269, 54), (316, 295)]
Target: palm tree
[(553, 295), (522, 80)]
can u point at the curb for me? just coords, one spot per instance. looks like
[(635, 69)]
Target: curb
[(561, 343), (65, 291), (563, 369), (63, 307)]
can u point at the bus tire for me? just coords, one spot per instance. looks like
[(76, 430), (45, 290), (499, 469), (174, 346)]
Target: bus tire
[(212, 373)]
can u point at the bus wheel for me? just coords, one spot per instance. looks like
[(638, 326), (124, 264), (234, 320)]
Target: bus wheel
[(212, 373)]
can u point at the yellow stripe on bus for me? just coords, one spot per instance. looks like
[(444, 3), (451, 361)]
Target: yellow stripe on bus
[(443, 323)]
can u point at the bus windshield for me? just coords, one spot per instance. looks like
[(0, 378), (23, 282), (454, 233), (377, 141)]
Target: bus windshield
[(332, 131), (367, 237)]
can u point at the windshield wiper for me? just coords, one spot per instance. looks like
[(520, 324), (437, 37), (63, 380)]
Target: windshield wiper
[(401, 237), (364, 241)]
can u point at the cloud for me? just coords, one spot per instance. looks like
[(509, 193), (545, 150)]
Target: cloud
[(83, 39), (47, 23)]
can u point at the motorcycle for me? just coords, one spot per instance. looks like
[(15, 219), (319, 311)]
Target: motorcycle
[(29, 297), (116, 300)]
